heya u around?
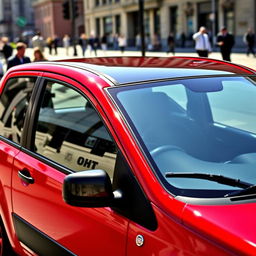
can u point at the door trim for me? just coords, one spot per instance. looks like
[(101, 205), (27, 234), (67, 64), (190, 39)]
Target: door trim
[(36, 240)]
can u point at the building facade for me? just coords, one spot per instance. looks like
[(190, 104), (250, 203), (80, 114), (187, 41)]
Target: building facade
[(164, 16), (50, 22), (16, 18)]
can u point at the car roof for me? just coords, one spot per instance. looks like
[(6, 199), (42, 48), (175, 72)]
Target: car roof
[(126, 70)]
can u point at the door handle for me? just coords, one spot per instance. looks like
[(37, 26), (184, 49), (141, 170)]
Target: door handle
[(25, 176)]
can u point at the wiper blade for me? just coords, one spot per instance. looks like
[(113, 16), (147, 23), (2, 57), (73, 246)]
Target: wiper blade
[(212, 177), (247, 191)]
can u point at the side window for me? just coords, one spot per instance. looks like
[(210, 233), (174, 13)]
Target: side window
[(13, 106), (71, 133)]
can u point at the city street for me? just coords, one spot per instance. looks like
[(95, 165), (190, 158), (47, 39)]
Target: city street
[(239, 58)]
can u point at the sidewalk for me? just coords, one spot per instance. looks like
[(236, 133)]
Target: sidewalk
[(236, 57)]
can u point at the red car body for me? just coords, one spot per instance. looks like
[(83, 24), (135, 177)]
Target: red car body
[(37, 221)]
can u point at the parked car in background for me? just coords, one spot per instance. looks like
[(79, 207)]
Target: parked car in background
[(128, 156)]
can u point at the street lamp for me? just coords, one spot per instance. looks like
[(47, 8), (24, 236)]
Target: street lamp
[(73, 5), (141, 21), (213, 22)]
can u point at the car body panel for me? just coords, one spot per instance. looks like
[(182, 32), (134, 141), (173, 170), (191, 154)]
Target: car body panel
[(171, 238), (183, 227), (221, 224)]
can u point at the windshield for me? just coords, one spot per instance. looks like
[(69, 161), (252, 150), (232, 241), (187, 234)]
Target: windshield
[(199, 126)]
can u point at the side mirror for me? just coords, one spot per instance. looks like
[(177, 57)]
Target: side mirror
[(88, 189)]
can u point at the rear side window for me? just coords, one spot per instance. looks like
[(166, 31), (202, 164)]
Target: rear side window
[(70, 132), (13, 107)]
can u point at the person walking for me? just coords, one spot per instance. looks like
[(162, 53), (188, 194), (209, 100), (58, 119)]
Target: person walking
[(171, 44), (183, 40), (49, 43), (93, 43), (202, 42), (20, 57), (122, 43), (55, 44), (225, 41), (38, 41), (104, 43), (66, 43), (249, 39), (6, 48), (83, 43)]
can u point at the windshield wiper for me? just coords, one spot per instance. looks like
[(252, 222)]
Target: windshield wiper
[(247, 191), (212, 177)]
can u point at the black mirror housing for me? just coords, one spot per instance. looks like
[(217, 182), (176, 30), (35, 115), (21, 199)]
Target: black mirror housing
[(91, 188)]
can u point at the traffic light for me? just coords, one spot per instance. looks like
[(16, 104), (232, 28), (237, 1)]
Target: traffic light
[(66, 10), (76, 12)]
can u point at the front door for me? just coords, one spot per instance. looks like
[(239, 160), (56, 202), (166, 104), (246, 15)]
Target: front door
[(69, 136)]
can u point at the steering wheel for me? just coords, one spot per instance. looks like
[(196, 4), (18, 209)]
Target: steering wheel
[(164, 148)]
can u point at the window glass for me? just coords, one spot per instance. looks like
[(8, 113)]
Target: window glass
[(233, 106), (192, 129), (13, 106), (70, 132), (177, 92)]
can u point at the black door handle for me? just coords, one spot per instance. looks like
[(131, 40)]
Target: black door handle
[(25, 176)]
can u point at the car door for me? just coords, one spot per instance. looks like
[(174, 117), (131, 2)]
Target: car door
[(66, 134)]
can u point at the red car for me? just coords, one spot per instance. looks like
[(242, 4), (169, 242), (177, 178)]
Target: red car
[(128, 156)]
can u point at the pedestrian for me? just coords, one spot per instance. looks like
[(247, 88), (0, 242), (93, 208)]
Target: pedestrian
[(6, 48), (225, 41), (156, 42), (66, 43), (93, 43), (249, 39), (183, 40), (49, 43), (55, 44), (122, 43), (20, 57), (115, 41), (83, 43), (138, 41), (171, 44), (38, 41), (38, 55), (202, 42), (104, 43)]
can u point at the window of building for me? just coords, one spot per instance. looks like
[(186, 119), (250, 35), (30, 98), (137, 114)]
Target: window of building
[(108, 25), (97, 2), (229, 20), (118, 24), (70, 132)]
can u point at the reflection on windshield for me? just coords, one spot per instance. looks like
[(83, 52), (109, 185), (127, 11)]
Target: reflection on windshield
[(201, 125)]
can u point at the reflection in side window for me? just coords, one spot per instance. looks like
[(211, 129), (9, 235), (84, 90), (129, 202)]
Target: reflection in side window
[(70, 132), (13, 106)]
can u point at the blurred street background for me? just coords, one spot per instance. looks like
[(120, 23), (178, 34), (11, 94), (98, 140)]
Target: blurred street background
[(236, 57), (126, 28)]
